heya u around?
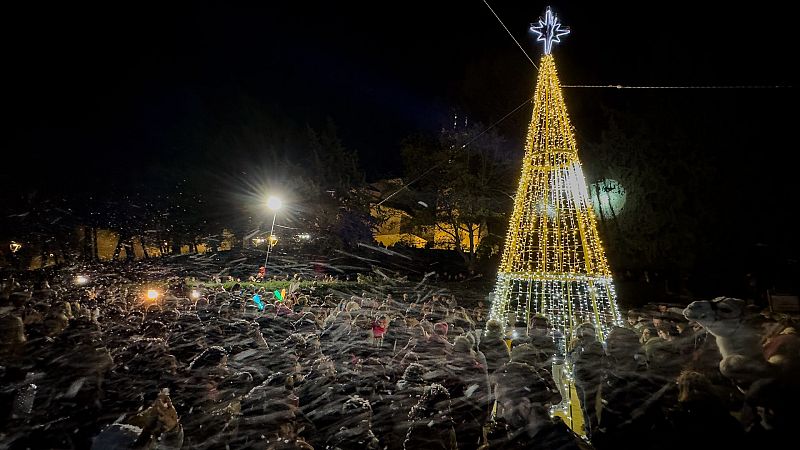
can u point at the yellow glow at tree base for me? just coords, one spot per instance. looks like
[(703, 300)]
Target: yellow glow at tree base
[(573, 416)]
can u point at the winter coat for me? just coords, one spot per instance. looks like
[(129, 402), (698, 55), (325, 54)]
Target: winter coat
[(404, 397), (431, 434), (496, 352), (552, 436), (587, 359)]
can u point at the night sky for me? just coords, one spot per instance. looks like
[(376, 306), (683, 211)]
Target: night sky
[(97, 95)]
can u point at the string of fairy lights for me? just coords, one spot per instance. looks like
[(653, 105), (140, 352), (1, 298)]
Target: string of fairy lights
[(619, 86), (553, 261)]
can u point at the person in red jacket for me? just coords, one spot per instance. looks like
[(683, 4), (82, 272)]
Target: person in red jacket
[(379, 328)]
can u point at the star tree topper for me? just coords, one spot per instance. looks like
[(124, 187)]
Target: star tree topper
[(549, 30)]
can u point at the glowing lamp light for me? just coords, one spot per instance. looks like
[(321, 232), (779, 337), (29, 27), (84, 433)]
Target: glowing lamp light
[(152, 294), (81, 280), (274, 203), (195, 294), (273, 240), (15, 246)]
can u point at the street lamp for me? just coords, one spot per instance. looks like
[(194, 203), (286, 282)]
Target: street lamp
[(273, 203)]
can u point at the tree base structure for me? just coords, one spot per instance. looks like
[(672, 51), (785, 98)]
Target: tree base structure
[(567, 300)]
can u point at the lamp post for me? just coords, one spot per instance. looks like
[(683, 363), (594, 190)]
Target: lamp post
[(273, 203)]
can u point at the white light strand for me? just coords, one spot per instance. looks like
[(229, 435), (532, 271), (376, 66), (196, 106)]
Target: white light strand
[(619, 86)]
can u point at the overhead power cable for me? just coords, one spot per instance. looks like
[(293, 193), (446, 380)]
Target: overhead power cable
[(606, 86), (512, 36), (619, 86), (463, 146)]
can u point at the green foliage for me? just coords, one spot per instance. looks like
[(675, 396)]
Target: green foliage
[(240, 156), (469, 187), (338, 207), (334, 167), (667, 179)]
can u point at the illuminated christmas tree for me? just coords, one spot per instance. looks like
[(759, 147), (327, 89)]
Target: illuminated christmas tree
[(553, 261)]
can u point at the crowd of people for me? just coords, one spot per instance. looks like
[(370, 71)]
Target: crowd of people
[(103, 367)]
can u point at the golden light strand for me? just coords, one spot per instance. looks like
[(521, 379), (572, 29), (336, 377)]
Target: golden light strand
[(553, 259)]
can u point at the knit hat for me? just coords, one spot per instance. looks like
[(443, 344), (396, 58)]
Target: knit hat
[(414, 372), (462, 345), (494, 327)]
